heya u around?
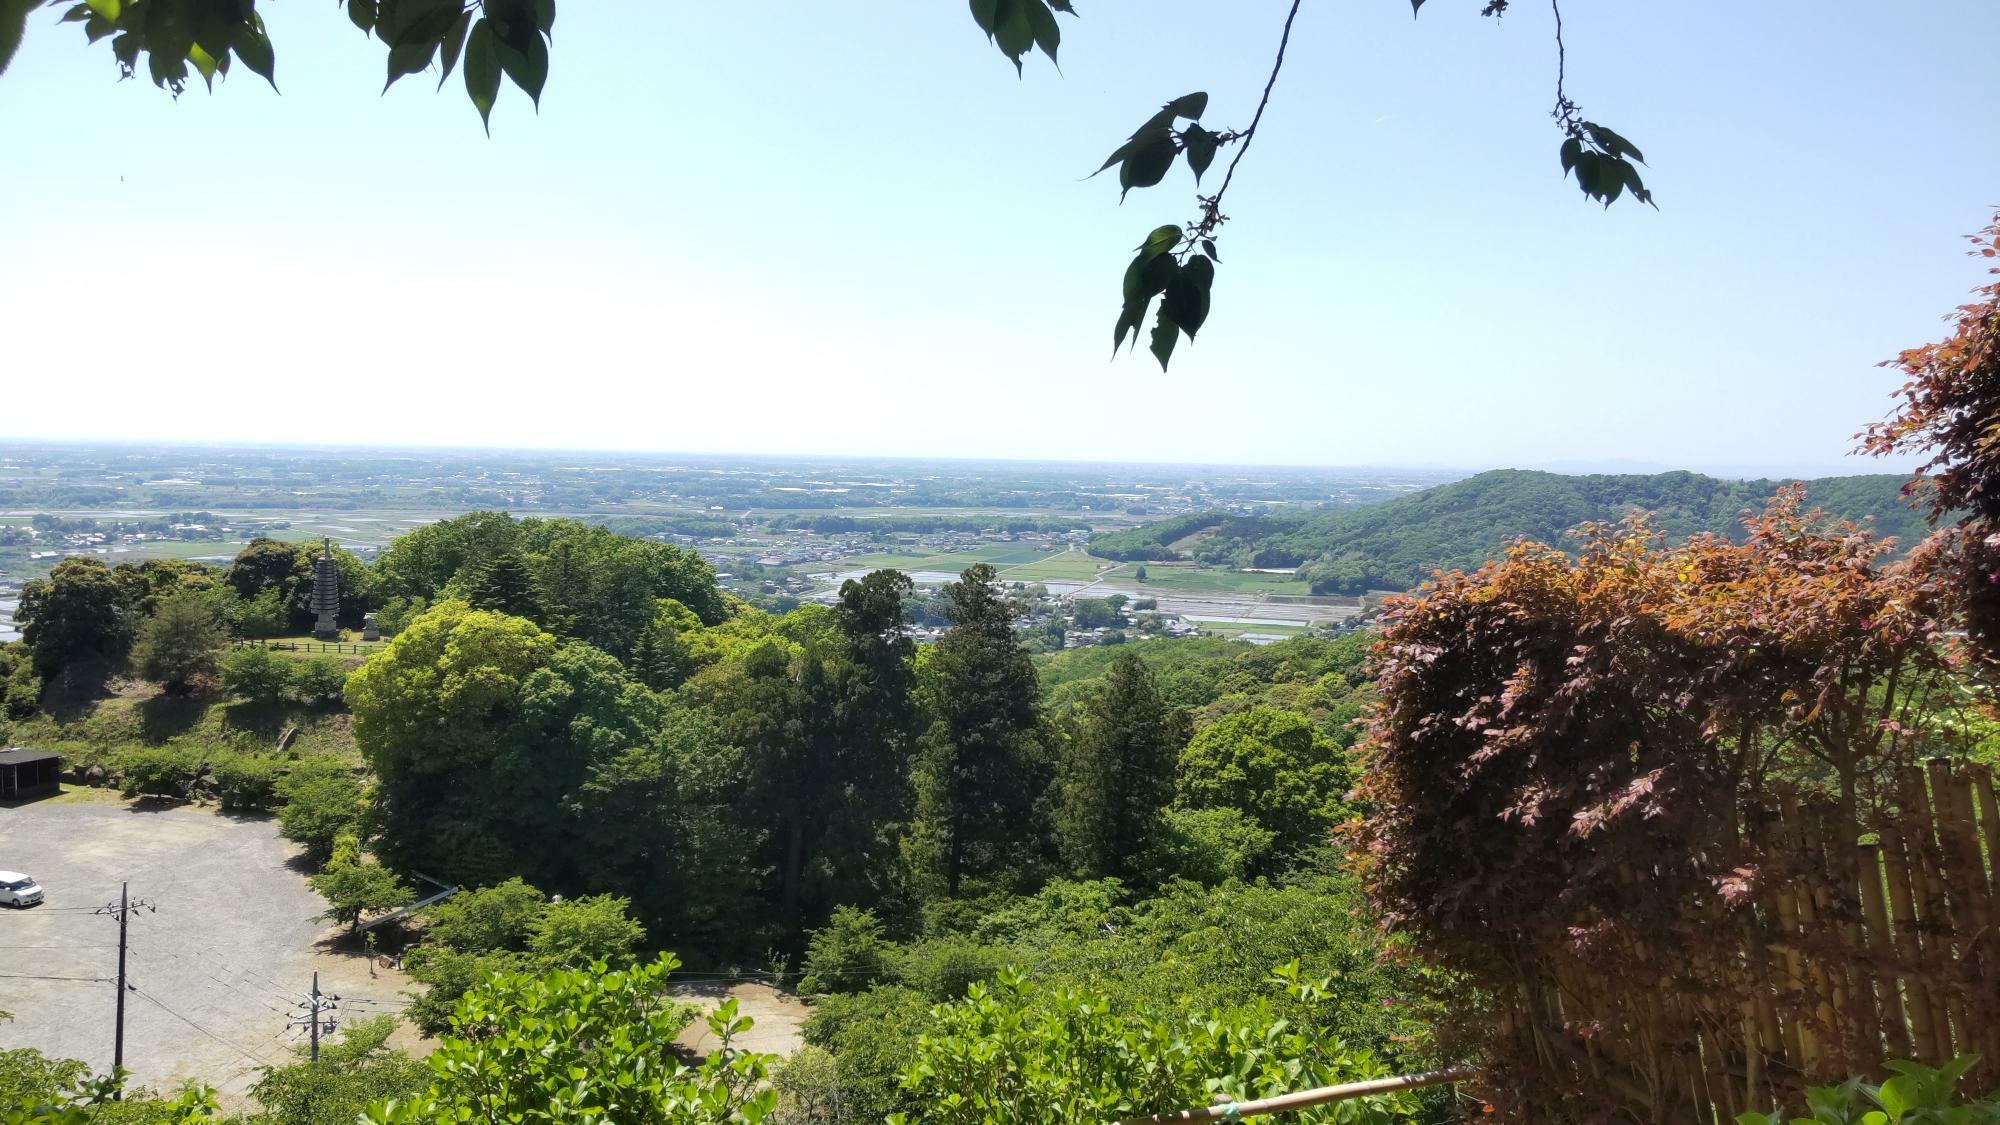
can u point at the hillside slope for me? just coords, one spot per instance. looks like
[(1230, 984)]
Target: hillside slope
[(1460, 525)]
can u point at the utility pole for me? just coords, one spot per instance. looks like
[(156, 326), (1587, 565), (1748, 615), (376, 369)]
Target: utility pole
[(318, 1008), (124, 911)]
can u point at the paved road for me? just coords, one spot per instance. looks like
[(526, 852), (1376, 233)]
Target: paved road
[(229, 947)]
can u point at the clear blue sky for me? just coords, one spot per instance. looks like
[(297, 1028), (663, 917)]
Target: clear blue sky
[(848, 228)]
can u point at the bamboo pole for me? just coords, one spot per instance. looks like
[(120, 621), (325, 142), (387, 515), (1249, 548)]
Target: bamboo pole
[(1933, 913), (1989, 819), (1910, 944), (1306, 1099), (1894, 1024)]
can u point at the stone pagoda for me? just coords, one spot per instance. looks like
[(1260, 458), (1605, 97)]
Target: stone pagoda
[(325, 594)]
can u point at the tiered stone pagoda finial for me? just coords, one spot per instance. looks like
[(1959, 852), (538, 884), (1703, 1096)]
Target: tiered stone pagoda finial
[(325, 594)]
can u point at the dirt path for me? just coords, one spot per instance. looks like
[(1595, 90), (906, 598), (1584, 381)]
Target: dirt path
[(779, 1017)]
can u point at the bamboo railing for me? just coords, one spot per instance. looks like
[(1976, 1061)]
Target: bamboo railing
[(1859, 953)]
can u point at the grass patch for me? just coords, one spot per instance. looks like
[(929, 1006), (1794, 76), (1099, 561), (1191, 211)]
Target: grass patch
[(1212, 580)]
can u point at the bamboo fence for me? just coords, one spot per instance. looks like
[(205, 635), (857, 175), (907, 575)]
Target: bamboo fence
[(1860, 953)]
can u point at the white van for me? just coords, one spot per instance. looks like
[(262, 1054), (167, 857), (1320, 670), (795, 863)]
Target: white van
[(17, 889)]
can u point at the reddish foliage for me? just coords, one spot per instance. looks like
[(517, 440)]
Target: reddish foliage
[(1570, 755), (1951, 411)]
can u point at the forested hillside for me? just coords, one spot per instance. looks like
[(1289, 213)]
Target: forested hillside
[(1393, 546)]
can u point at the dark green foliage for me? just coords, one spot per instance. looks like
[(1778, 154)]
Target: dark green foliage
[(322, 804), (873, 1038), (279, 572), (1150, 541), (975, 776), (182, 642), (75, 616), (848, 954), (505, 585), (577, 932), (1115, 774), (353, 887)]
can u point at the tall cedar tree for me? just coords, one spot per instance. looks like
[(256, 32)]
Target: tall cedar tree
[(1116, 774), (973, 777), (505, 585), (829, 732)]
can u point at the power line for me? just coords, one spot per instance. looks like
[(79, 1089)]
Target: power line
[(159, 1003), (42, 976)]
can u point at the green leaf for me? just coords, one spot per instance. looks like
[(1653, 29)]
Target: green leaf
[(408, 58), (1187, 294), (421, 23), (254, 48), (1148, 163), (453, 43), (109, 9), (76, 14), (1208, 248), (1148, 276), (1199, 144), (362, 14), (1571, 149), (1898, 1095), (545, 15), (1165, 335), (13, 25), (1613, 143), (984, 13), (526, 61), (97, 27), (1415, 5), (204, 65), (1189, 105), (1043, 22), (1012, 30), (482, 71), (1160, 239)]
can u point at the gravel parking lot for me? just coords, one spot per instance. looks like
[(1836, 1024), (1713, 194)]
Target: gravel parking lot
[(215, 966)]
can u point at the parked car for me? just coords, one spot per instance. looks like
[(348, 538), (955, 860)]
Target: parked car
[(17, 889)]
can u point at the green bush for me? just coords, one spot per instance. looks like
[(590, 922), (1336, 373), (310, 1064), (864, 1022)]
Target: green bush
[(319, 681), (943, 968), (847, 954), (1208, 846), (488, 919), (585, 930), (322, 802), (246, 782), (352, 1073), (1028, 1055), (873, 1037), (253, 673), (160, 771)]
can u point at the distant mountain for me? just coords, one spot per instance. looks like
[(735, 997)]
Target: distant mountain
[(1395, 545)]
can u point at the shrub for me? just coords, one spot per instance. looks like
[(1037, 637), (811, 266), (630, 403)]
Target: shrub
[(585, 930), (943, 968), (847, 954), (602, 1061), (353, 1072), (1208, 846), (353, 887), (487, 919), (246, 782), (160, 771), (873, 1037), (322, 802), (253, 673), (319, 681), (1017, 1053)]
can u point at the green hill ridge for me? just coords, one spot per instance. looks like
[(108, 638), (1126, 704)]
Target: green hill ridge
[(1395, 545)]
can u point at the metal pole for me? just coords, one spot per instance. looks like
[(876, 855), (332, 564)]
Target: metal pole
[(315, 1016), (118, 1040)]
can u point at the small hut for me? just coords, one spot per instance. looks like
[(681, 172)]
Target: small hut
[(26, 774)]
